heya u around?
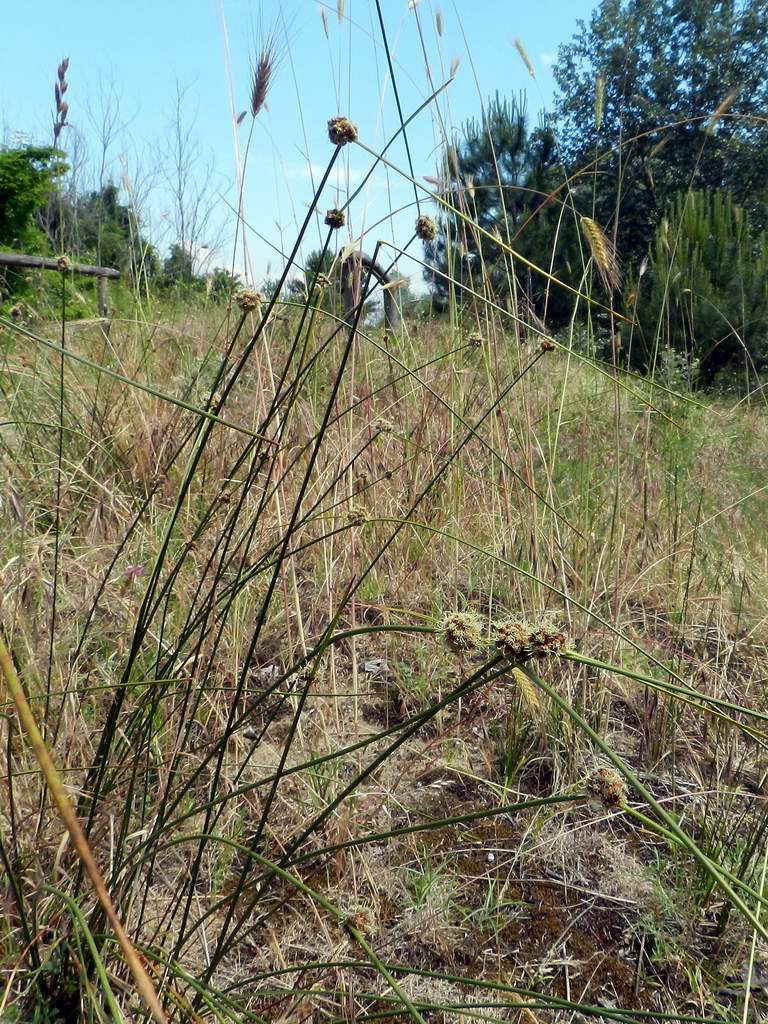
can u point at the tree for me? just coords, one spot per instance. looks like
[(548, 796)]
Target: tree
[(499, 176), (179, 268), (221, 284), (705, 292), (638, 88), (97, 228), (27, 176)]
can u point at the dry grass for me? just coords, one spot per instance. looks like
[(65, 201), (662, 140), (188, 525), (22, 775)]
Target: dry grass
[(566, 899)]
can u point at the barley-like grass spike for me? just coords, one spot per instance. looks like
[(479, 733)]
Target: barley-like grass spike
[(599, 101), (722, 108), (525, 58), (603, 254)]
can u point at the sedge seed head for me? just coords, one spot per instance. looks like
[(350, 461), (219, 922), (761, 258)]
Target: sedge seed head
[(247, 299), (545, 640), (518, 640), (463, 632), (341, 131), (609, 788), (511, 639), (335, 218), (357, 515), (425, 229)]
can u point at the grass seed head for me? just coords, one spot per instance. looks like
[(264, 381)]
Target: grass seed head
[(335, 218), (426, 229), (62, 108), (263, 73), (525, 58), (341, 131), (463, 632), (599, 101)]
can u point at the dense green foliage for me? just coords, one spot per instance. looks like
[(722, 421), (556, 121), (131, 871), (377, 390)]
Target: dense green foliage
[(666, 66), (26, 178), (103, 228), (706, 293)]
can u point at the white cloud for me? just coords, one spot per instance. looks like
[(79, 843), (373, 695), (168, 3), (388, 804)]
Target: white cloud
[(548, 59)]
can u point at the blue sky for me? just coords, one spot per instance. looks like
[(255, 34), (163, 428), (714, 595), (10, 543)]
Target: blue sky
[(140, 53)]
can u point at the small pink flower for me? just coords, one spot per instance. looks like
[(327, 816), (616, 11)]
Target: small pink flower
[(132, 572)]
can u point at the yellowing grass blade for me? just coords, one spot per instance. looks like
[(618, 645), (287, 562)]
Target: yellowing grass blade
[(67, 814)]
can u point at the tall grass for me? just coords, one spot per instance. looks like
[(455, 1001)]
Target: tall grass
[(307, 686)]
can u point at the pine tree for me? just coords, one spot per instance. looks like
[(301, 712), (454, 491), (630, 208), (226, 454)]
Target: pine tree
[(705, 293), (499, 176)]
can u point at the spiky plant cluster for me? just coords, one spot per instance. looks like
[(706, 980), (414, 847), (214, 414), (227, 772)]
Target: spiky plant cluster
[(609, 788), (335, 218), (247, 300), (341, 131), (425, 229), (463, 632), (518, 640), (62, 107)]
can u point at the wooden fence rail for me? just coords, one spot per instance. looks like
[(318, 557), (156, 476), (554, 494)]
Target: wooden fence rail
[(104, 274)]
